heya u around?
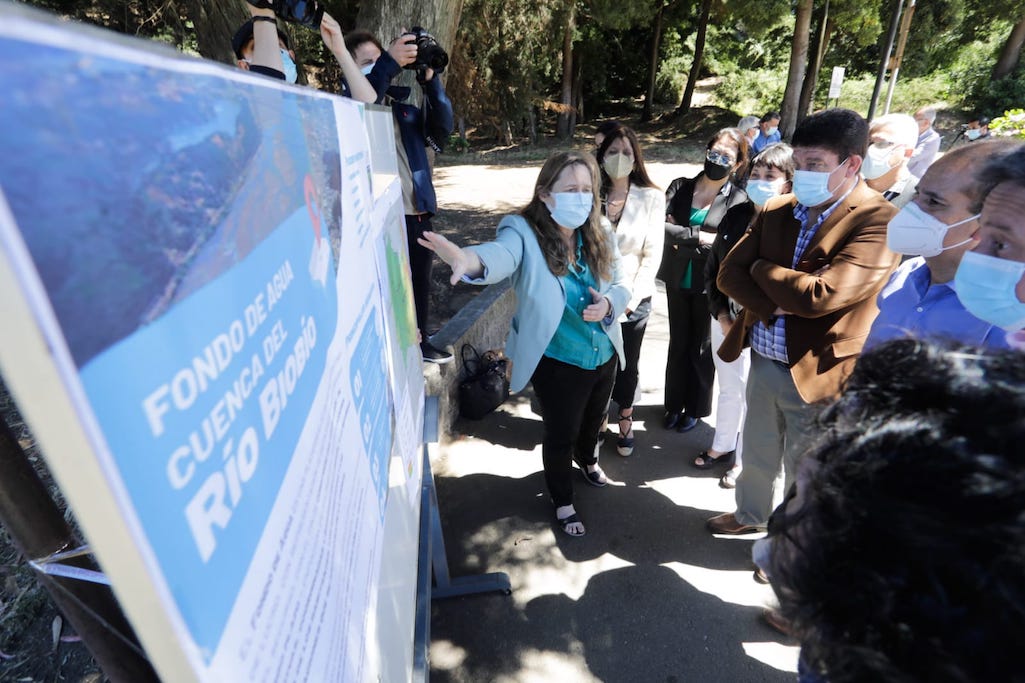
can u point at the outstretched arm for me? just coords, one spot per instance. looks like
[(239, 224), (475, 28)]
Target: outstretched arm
[(359, 86), (462, 261)]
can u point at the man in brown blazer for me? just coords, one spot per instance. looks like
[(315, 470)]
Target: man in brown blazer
[(807, 274)]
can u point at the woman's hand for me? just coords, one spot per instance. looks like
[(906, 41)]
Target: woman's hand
[(461, 261), (599, 310)]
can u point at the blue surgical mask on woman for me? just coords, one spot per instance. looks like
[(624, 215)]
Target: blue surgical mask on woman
[(761, 191), (571, 208), (985, 285), (812, 187), (291, 75), (367, 69)]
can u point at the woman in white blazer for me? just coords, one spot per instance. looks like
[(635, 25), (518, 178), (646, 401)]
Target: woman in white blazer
[(562, 259), (636, 208)]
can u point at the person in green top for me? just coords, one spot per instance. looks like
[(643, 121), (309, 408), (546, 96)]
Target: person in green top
[(697, 209)]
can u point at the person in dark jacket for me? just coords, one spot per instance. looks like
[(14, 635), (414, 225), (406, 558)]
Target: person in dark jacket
[(697, 209), (417, 128)]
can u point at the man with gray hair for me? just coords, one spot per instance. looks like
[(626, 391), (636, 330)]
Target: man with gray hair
[(748, 126), (891, 141), (928, 142)]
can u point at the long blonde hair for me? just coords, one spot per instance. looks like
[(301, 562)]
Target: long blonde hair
[(597, 247)]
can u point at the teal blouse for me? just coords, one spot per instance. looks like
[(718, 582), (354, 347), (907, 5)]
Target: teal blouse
[(576, 341)]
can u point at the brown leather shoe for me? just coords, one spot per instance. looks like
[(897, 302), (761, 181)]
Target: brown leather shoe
[(727, 523), (777, 622)]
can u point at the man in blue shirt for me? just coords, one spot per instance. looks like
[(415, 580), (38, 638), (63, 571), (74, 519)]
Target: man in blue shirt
[(768, 132), (938, 228)]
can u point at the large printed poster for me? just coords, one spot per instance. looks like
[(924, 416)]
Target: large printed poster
[(184, 225)]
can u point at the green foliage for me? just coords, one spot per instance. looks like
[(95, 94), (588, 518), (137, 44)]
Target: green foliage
[(970, 72), (1010, 125), (751, 92), (992, 96)]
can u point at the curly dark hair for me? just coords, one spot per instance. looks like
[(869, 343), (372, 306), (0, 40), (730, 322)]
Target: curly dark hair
[(902, 555)]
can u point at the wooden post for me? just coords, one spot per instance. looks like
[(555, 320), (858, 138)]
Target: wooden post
[(38, 529)]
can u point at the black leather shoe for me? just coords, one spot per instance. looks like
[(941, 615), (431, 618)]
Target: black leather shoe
[(671, 420)]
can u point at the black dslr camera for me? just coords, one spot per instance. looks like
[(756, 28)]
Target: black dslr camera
[(303, 12), (428, 53)]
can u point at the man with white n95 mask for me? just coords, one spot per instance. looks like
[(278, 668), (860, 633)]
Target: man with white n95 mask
[(937, 228)]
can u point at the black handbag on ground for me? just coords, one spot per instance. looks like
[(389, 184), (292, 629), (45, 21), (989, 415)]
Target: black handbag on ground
[(486, 383)]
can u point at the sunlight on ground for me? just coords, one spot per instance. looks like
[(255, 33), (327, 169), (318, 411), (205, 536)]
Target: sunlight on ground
[(446, 655), (782, 657), (570, 580), (735, 587), (537, 666)]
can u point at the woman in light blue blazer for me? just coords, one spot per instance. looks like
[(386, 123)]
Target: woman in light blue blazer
[(563, 262)]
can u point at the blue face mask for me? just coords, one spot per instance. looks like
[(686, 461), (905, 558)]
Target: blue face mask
[(812, 187), (761, 191), (571, 208), (367, 69), (291, 75), (985, 285)]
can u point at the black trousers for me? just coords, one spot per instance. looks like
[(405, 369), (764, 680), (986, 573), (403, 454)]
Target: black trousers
[(421, 263), (573, 402), (633, 334), (689, 368)]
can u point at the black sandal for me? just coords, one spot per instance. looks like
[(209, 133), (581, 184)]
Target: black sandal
[(565, 523), (704, 461), (625, 444)]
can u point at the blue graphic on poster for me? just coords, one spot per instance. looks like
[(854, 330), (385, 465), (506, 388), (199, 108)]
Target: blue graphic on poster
[(134, 186), (180, 224), (369, 381)]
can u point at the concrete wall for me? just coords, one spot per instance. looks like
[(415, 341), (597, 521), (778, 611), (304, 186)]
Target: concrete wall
[(484, 323)]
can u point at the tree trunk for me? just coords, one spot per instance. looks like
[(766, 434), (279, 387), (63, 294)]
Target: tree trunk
[(695, 67), (656, 40), (563, 125), (387, 18), (818, 51), (798, 64), (215, 23), (1011, 52)]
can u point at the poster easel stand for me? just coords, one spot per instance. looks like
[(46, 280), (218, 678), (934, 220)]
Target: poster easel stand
[(432, 560)]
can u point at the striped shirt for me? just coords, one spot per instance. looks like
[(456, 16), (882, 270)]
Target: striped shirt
[(771, 341)]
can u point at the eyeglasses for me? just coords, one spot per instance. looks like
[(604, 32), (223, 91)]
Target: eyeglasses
[(885, 144), (719, 158)]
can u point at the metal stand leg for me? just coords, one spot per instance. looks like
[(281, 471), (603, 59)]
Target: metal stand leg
[(433, 561), (444, 585)]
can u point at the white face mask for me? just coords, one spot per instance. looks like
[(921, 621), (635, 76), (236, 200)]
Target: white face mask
[(617, 165), (812, 187), (877, 162), (772, 131), (913, 232)]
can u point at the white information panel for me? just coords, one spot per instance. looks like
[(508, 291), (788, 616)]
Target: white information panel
[(215, 346)]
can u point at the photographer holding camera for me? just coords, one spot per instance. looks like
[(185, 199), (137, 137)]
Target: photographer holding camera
[(416, 129), (263, 48)]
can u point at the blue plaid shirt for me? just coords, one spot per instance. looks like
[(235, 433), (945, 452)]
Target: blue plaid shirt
[(771, 342)]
